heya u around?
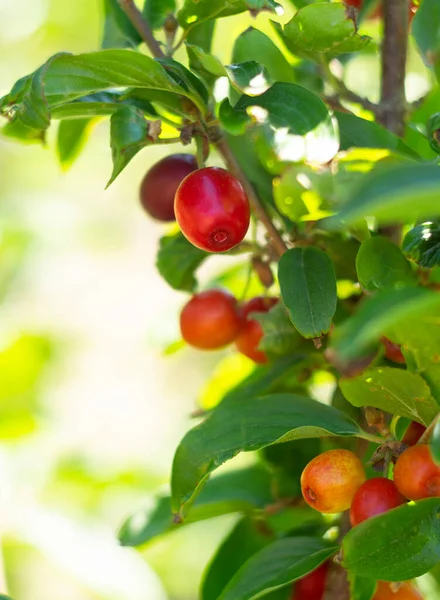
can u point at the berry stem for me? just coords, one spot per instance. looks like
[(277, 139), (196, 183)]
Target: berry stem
[(142, 27), (427, 434)]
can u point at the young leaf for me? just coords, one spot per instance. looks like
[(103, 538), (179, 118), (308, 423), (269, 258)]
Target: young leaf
[(381, 265), (177, 261), (243, 490), (129, 133), (359, 133), (422, 244), (118, 29), (72, 135), (277, 565), (407, 192), (384, 311), (361, 588), (396, 546), (194, 12), (280, 337), (426, 31), (308, 289), (393, 390), (241, 543), (248, 424), (156, 11)]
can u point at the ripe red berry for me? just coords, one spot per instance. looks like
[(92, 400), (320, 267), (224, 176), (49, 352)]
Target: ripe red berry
[(416, 475), (212, 209), (160, 184), (393, 351), (355, 3), (330, 481), (312, 586), (413, 433), (250, 335), (374, 497), (406, 591), (210, 320)]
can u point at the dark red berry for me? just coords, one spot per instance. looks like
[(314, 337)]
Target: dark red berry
[(413, 433), (312, 586), (250, 335), (393, 351), (374, 497)]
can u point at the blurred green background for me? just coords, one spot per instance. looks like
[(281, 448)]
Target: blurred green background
[(90, 408)]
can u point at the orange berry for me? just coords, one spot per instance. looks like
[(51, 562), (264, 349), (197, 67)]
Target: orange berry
[(406, 591), (416, 475)]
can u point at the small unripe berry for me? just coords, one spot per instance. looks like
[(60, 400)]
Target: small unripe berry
[(250, 335), (210, 320), (413, 433), (312, 586), (406, 591), (160, 184), (212, 209), (330, 481), (416, 475), (374, 497)]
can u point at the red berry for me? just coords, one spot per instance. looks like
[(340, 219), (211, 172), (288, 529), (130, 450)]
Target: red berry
[(212, 209), (374, 497), (312, 586), (210, 320), (416, 475), (406, 591), (160, 184), (330, 481), (413, 433), (393, 351), (356, 3), (250, 335)]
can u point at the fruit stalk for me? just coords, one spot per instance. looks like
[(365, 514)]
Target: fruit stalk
[(142, 27)]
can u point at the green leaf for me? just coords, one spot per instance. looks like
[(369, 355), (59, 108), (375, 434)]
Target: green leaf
[(243, 490), (253, 44), (177, 261), (129, 133), (245, 540), (248, 424), (118, 29), (156, 11), (206, 60), (359, 133), (277, 565), (403, 193), (72, 136), (386, 310), (280, 337), (361, 588), (321, 27), (422, 244), (435, 443), (249, 77), (194, 12), (426, 31), (381, 265), (396, 546), (187, 80), (393, 390), (308, 289)]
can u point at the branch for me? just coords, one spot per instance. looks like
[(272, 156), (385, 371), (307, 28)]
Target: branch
[(394, 51), (142, 27), (427, 434), (258, 209)]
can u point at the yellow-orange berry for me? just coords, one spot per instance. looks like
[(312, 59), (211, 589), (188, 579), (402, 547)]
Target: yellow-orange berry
[(416, 475)]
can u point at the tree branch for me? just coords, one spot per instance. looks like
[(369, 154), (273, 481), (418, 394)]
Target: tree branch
[(394, 51), (142, 27), (426, 437)]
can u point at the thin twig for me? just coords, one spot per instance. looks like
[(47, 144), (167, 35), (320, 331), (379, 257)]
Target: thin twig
[(427, 434), (142, 27), (394, 50), (342, 91), (257, 207)]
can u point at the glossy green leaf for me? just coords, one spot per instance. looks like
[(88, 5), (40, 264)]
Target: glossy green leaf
[(156, 11), (422, 244), (187, 80), (277, 565), (386, 310), (399, 545), (72, 135), (177, 261), (248, 424), (393, 390), (118, 29), (426, 31), (308, 289), (405, 193), (249, 77), (361, 588), (206, 60), (194, 12), (245, 540), (129, 133), (359, 133), (381, 265), (253, 44), (243, 490), (279, 335), (435, 443)]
